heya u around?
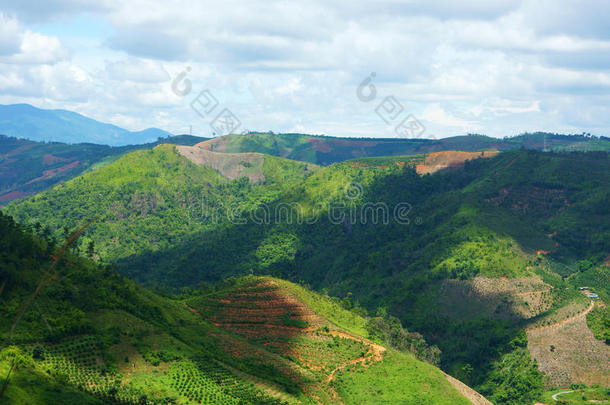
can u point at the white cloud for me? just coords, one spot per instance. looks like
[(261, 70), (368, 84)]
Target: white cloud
[(498, 67), (435, 114), (20, 47), (10, 35), (137, 70)]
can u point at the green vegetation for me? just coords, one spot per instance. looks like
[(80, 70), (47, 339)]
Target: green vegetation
[(94, 337), (598, 321), (397, 380), (28, 167), (326, 150), (72, 343), (515, 378), (580, 396), (497, 217)]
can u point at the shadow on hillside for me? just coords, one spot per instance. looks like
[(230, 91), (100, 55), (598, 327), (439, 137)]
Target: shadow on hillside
[(388, 264), (260, 328)]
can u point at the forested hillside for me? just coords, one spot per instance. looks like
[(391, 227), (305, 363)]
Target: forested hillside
[(91, 336), (512, 229), (28, 167)]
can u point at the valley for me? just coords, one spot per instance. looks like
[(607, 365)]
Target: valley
[(479, 277)]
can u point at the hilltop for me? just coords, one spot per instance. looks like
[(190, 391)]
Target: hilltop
[(113, 342), (257, 167), (160, 196), (28, 167)]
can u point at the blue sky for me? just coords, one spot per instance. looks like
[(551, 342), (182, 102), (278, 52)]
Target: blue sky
[(499, 68)]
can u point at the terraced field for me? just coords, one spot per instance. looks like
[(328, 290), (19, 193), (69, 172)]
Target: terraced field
[(304, 345), (268, 323)]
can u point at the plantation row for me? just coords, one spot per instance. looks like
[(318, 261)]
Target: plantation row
[(206, 382), (79, 362)]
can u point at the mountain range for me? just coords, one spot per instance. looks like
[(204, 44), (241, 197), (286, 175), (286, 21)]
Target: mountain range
[(289, 268), (36, 124)]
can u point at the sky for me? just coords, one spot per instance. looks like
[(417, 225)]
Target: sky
[(340, 68)]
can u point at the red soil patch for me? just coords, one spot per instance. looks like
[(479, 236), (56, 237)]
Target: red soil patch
[(278, 328), (49, 159), (13, 195), (48, 174)]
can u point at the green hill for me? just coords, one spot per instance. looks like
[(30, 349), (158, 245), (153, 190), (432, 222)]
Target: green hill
[(28, 167), (469, 258), (91, 336), (158, 195)]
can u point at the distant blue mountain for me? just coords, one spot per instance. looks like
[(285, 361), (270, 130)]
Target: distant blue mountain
[(26, 121)]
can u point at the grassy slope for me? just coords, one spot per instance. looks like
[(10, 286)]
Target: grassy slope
[(398, 379), (23, 164), (397, 376), (114, 342)]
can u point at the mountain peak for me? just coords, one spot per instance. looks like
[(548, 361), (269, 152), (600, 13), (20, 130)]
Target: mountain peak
[(30, 122)]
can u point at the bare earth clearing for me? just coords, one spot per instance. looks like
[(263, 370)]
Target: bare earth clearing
[(518, 298), (230, 165), (577, 356)]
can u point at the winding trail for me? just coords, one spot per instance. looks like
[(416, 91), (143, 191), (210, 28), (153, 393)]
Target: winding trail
[(560, 393), (374, 349)]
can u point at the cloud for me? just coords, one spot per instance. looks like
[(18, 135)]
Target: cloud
[(497, 67), (150, 40), (21, 47), (584, 19), (435, 114), (10, 35), (137, 70)]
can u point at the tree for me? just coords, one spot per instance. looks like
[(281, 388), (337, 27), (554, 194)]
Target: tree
[(90, 249), (38, 353)]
